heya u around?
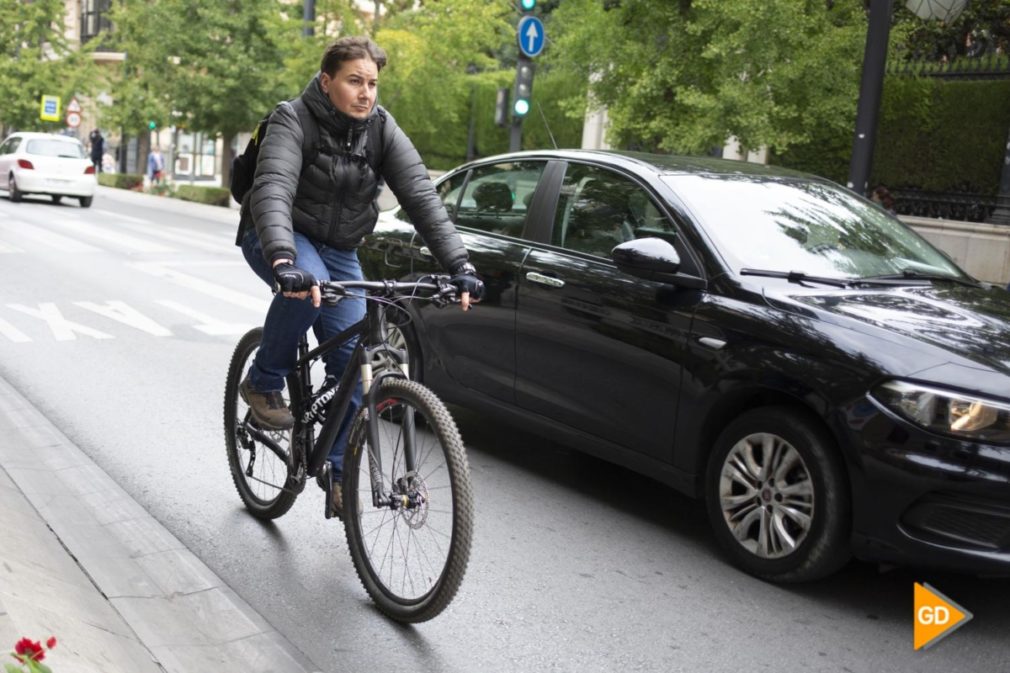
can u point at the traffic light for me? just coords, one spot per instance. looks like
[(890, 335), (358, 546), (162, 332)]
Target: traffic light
[(501, 107), (524, 87), (152, 124), (527, 5)]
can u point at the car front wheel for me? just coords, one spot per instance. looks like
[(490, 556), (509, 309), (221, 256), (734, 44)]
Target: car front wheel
[(777, 496), (12, 189)]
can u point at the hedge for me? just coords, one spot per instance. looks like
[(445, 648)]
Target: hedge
[(933, 134), (214, 196), (121, 180)]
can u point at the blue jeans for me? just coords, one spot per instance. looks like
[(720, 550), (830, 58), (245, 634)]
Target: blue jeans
[(288, 319)]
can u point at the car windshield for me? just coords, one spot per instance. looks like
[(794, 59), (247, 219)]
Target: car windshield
[(55, 148), (807, 226)]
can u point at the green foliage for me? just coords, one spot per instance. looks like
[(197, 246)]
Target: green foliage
[(770, 72), (942, 135), (37, 60), (214, 196), (132, 181)]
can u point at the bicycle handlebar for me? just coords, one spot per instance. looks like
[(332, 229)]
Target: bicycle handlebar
[(437, 289)]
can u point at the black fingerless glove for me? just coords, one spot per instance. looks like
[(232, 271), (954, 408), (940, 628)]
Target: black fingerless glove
[(464, 279), (292, 279)]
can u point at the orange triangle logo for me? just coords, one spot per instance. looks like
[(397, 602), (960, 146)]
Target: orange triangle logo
[(936, 616)]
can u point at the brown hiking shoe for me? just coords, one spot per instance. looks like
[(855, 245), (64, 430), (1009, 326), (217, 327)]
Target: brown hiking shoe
[(268, 409), (337, 502)]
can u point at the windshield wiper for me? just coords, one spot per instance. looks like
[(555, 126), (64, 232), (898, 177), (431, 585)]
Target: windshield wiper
[(801, 277), (909, 274)]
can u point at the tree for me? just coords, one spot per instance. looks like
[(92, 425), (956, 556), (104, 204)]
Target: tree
[(684, 75), (35, 60), (209, 67)]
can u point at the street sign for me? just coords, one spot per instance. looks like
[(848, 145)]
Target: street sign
[(531, 35), (73, 119), (73, 105), (49, 110)]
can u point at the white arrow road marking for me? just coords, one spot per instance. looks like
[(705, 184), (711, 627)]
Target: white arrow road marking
[(209, 325), (258, 304), (26, 230), (119, 238), (120, 312), (62, 328), (13, 333)]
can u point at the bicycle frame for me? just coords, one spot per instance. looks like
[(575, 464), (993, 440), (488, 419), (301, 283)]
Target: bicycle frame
[(371, 339)]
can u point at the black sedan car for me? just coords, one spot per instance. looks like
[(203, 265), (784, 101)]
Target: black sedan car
[(829, 383)]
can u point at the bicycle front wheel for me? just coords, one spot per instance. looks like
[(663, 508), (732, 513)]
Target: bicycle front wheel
[(259, 459), (410, 551)]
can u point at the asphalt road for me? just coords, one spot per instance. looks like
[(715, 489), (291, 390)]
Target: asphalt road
[(118, 323)]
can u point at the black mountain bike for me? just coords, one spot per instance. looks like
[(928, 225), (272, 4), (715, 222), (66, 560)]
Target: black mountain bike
[(407, 498)]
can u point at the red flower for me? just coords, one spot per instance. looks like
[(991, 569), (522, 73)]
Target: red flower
[(51, 643), (26, 649)]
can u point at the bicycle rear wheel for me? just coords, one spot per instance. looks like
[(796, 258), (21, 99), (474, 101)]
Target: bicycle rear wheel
[(410, 553), (259, 459)]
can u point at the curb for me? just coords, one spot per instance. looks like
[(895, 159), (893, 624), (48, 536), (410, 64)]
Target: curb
[(83, 561)]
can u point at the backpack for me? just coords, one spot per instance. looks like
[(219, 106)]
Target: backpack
[(243, 167)]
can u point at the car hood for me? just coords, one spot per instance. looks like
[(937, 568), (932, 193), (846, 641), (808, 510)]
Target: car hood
[(972, 324)]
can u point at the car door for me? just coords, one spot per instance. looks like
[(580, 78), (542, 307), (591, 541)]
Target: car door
[(475, 351), (597, 349), (7, 148)]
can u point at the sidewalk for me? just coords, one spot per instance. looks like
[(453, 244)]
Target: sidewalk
[(82, 561)]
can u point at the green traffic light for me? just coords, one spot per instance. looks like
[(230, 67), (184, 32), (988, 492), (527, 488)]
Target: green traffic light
[(527, 5), (521, 107), (152, 125)]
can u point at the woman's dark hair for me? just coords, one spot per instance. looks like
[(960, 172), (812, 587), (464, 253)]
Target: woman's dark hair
[(351, 49)]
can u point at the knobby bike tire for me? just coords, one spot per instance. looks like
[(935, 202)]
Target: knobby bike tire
[(360, 516), (261, 501)]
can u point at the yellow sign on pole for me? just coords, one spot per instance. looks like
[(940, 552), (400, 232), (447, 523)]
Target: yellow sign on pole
[(49, 109)]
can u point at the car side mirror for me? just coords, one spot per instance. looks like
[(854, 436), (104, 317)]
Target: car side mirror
[(653, 259)]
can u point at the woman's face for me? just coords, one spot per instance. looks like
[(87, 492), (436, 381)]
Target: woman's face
[(353, 88)]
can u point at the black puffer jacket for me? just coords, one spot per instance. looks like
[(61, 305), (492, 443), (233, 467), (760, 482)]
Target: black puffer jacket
[(333, 201)]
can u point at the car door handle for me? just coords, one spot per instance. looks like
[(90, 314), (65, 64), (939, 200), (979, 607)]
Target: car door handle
[(540, 278)]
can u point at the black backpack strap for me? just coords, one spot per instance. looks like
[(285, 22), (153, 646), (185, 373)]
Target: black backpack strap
[(310, 132)]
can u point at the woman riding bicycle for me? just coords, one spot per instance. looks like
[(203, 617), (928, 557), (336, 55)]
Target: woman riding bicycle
[(310, 217)]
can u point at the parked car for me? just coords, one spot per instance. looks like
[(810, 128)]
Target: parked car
[(829, 382), (44, 163)]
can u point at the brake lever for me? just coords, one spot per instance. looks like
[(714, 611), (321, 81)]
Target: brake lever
[(332, 294)]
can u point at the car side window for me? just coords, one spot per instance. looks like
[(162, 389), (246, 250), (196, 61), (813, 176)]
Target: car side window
[(497, 197), (8, 146), (448, 191), (599, 209)]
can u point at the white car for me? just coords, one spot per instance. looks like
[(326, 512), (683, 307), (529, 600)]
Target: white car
[(44, 163)]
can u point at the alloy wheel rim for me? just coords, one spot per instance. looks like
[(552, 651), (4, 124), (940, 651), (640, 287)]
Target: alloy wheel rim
[(766, 494)]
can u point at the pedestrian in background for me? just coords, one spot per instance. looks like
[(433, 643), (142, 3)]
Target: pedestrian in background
[(97, 149), (882, 196), (155, 166)]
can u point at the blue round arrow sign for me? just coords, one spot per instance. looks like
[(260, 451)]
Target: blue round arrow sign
[(531, 35)]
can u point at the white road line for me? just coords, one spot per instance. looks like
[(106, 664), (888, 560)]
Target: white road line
[(21, 229), (63, 329), (120, 312), (179, 236), (13, 333), (120, 216), (208, 324), (233, 297), (6, 248), (118, 238)]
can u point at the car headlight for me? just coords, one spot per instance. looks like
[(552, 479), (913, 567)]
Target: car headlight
[(946, 411)]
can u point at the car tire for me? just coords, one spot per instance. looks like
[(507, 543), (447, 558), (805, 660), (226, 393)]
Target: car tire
[(56, 198), (13, 192), (783, 517), (85, 201)]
